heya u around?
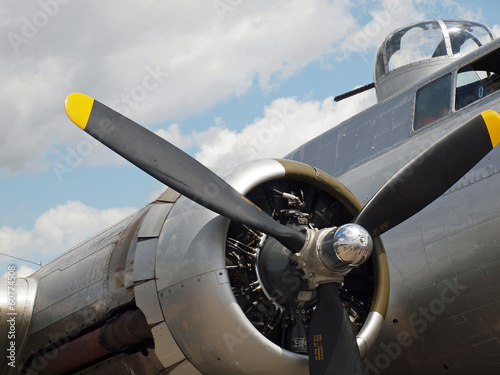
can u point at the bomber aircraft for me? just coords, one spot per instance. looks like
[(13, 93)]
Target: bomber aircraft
[(371, 249)]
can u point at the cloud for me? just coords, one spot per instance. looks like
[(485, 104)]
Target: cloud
[(166, 60), (287, 123), (392, 14), (174, 135), (496, 30), (465, 10), (160, 61), (59, 229)]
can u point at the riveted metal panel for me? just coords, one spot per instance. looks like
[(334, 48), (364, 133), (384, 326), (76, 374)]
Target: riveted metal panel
[(133, 364), (199, 228), (185, 368), (144, 259), (73, 290), (212, 330), (167, 350), (169, 195), (120, 268), (146, 299), (75, 280), (151, 226)]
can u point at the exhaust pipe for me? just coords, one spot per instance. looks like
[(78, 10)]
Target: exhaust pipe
[(118, 334)]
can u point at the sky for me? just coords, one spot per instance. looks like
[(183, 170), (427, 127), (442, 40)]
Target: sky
[(210, 76)]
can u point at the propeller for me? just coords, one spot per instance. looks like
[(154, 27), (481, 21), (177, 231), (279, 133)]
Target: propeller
[(173, 167), (332, 343)]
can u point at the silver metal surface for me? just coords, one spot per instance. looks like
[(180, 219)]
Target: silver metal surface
[(146, 298), (17, 298), (212, 330), (144, 259), (133, 364), (145, 288), (346, 247), (151, 226), (195, 295), (166, 348), (369, 333), (185, 368), (73, 289), (80, 288), (330, 253), (309, 262), (246, 176), (178, 248)]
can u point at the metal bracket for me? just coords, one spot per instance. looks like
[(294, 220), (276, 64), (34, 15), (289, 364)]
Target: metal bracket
[(308, 260)]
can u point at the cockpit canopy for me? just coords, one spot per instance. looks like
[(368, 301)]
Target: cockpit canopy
[(433, 42)]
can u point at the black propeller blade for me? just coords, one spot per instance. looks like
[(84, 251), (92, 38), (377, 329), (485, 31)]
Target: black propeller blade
[(332, 344), (430, 174), (173, 167)]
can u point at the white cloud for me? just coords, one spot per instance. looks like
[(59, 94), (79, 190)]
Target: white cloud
[(174, 135), (59, 229), (458, 9), (158, 190), (496, 30), (166, 59), (287, 123), (392, 14)]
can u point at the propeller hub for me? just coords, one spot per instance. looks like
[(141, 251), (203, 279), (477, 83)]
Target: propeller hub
[(343, 248), (330, 253)]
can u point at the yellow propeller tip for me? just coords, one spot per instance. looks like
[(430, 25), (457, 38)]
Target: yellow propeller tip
[(492, 121), (78, 107)]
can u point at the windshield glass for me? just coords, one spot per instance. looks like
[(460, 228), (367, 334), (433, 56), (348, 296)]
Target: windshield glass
[(428, 40), (416, 43), (466, 37)]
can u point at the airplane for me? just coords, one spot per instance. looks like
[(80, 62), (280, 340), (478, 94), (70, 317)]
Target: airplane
[(371, 249)]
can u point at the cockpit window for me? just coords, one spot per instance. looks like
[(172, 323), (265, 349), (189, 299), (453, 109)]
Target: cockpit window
[(477, 80), (432, 101), (466, 37), (414, 44), (428, 40)]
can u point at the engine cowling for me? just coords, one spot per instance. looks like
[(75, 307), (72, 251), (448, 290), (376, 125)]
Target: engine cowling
[(229, 295)]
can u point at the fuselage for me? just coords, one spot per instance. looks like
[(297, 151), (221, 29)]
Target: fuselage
[(445, 261)]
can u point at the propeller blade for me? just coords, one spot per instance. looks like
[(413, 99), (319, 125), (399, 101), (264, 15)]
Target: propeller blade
[(173, 167), (332, 343), (430, 174)]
